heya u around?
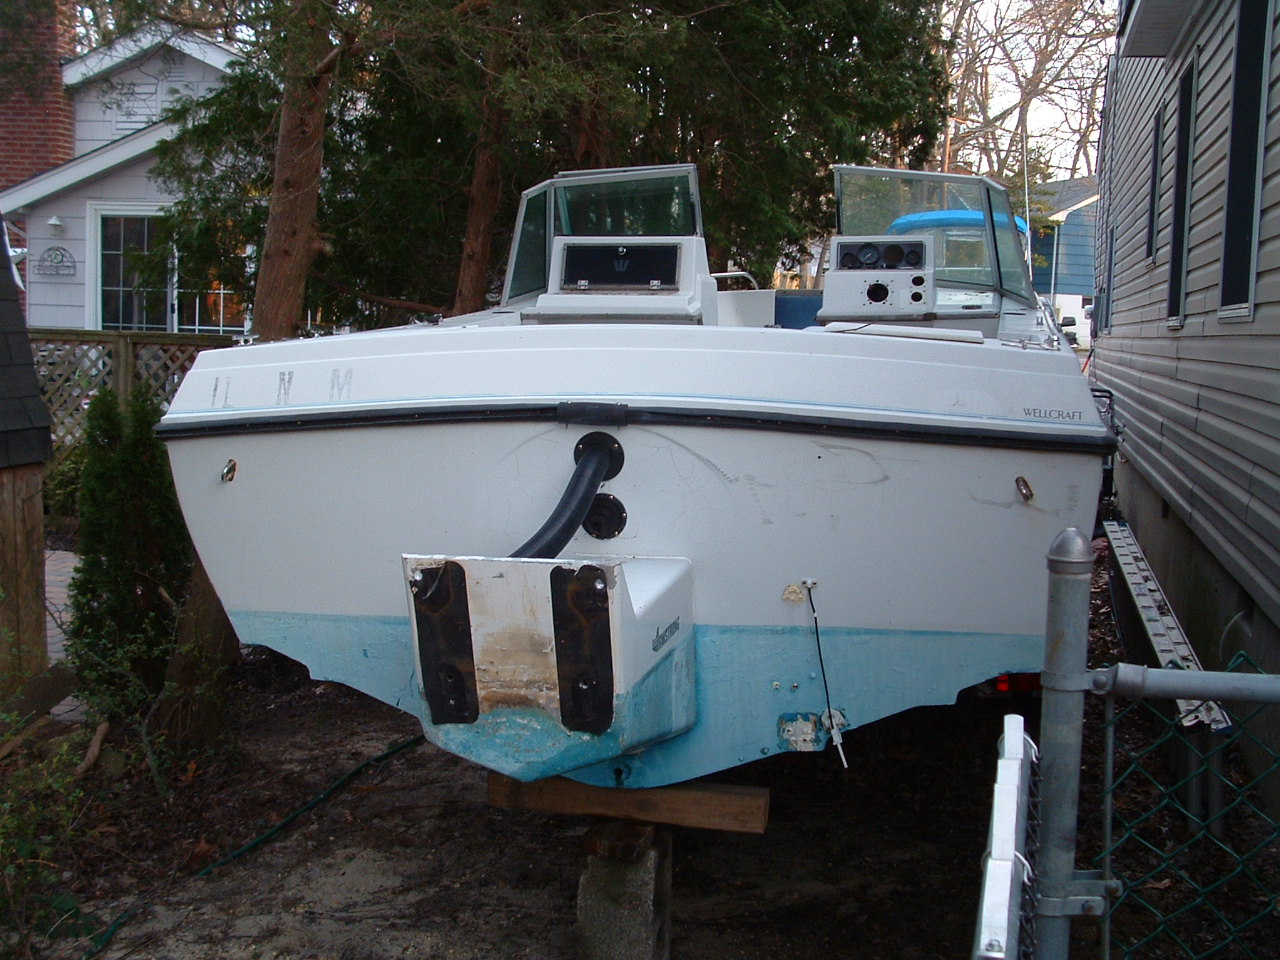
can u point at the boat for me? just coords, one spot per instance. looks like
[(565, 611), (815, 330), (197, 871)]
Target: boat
[(632, 527)]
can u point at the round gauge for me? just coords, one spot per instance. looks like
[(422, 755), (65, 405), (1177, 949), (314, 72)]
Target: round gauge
[(848, 261), (913, 258), (868, 254), (892, 255)]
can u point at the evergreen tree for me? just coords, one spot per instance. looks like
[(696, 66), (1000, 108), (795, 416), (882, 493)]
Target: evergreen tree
[(135, 559), (437, 114)]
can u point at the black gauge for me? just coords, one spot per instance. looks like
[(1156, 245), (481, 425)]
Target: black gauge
[(893, 254), (913, 258), (848, 261), (868, 254)]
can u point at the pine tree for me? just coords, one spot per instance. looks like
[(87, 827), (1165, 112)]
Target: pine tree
[(135, 559)]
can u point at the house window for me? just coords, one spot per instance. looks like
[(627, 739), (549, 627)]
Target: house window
[(1247, 116), (123, 297), (207, 307), (1153, 194), (1102, 304), (1181, 197), (127, 303)]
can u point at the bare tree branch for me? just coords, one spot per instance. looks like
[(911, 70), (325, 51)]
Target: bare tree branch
[(1030, 69)]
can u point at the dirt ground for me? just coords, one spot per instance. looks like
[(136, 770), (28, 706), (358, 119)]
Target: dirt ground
[(404, 857), (409, 860)]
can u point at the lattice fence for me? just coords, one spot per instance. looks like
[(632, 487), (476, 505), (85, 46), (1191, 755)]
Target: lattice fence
[(74, 366), (1195, 846)]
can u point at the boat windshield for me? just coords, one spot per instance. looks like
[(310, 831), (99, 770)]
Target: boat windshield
[(975, 234), (622, 202), (635, 207)]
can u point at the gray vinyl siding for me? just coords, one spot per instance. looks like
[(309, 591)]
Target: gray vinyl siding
[(1200, 405), (1209, 161), (1138, 287), (1267, 288)]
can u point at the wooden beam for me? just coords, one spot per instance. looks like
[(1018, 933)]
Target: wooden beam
[(710, 806)]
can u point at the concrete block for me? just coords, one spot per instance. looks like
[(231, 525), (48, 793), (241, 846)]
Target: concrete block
[(624, 904)]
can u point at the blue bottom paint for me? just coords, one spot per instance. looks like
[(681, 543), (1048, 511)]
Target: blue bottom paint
[(531, 744), (372, 654), (748, 677), (745, 679)]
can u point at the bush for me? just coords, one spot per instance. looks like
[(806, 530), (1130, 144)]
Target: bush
[(62, 483), (41, 808), (135, 559)]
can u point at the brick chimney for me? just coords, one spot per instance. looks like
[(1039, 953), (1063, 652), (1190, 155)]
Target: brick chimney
[(38, 129)]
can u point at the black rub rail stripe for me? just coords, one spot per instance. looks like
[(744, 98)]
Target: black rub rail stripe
[(599, 414)]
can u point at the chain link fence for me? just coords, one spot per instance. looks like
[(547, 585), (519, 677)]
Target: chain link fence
[(1189, 836), (1188, 852)]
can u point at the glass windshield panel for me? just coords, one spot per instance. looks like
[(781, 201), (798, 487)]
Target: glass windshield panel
[(529, 262), (954, 213), (1009, 249), (636, 207)]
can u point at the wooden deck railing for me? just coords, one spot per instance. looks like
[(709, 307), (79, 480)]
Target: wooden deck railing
[(74, 365)]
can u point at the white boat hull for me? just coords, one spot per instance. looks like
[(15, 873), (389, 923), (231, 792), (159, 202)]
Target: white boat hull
[(911, 489)]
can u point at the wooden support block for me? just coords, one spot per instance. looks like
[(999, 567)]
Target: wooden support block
[(710, 806)]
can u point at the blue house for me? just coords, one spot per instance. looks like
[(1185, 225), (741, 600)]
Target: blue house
[(1063, 254)]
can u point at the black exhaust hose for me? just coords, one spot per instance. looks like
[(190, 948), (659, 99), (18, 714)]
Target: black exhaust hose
[(574, 503)]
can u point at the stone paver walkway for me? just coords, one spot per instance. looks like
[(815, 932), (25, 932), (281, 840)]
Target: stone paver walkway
[(58, 567)]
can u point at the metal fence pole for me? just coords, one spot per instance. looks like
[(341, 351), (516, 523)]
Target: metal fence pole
[(1131, 680), (1065, 680)]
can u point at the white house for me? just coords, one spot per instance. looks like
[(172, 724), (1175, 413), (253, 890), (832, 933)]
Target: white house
[(83, 217)]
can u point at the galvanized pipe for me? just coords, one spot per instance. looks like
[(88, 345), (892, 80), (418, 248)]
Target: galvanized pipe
[(1064, 679), (1131, 680)]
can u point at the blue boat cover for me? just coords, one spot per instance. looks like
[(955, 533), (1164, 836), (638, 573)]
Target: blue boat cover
[(934, 219)]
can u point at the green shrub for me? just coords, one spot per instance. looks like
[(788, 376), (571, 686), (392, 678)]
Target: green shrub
[(62, 484), (135, 560), (41, 807)]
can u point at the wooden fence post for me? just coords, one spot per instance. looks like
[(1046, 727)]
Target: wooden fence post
[(122, 362), (24, 652), (24, 448)]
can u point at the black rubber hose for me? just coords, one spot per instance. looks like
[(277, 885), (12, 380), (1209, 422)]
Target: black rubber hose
[(572, 509)]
